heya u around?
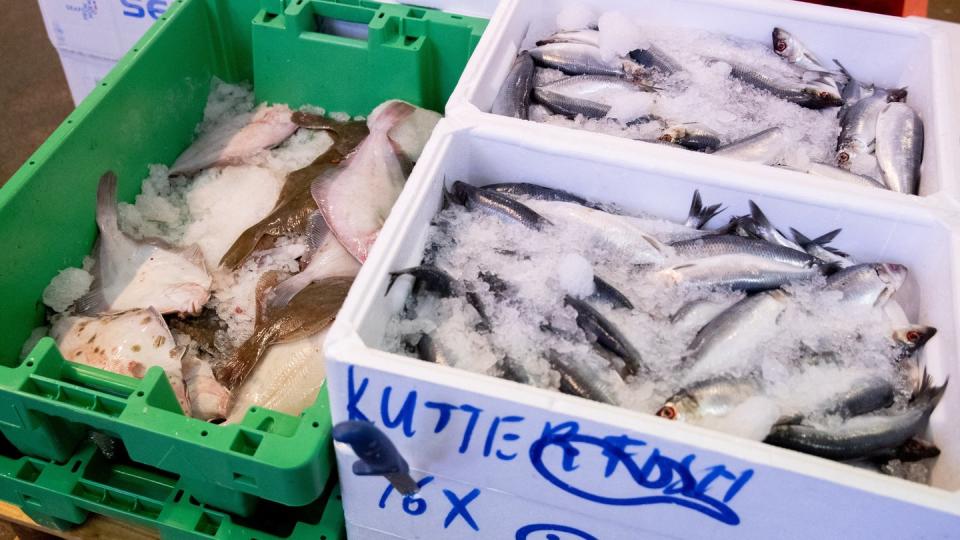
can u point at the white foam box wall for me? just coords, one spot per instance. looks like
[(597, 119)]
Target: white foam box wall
[(469, 435), (83, 72), (104, 28), (890, 51)]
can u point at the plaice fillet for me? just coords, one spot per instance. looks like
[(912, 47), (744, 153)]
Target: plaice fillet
[(127, 343), (132, 274), (355, 198), (287, 379), (270, 126)]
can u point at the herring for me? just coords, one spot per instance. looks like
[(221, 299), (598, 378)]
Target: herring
[(513, 99), (871, 284), (692, 136), (714, 397), (586, 95), (899, 147), (577, 381), (535, 191), (762, 147), (805, 94), (498, 204), (830, 171), (716, 245), (740, 272), (652, 57), (593, 323), (577, 59)]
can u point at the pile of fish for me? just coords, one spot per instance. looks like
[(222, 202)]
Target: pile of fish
[(570, 76), (151, 303), (739, 328)]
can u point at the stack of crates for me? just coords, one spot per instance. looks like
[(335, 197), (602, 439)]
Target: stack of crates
[(185, 476)]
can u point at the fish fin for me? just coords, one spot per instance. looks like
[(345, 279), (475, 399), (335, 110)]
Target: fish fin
[(318, 188), (107, 205), (317, 231), (842, 69), (242, 247), (313, 121), (800, 239), (760, 218), (926, 394), (826, 238), (268, 281), (683, 266), (194, 254), (285, 290), (700, 215), (92, 302), (789, 420), (446, 198)]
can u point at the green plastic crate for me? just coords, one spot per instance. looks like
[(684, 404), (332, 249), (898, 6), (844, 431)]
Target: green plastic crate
[(62, 496), (143, 112)]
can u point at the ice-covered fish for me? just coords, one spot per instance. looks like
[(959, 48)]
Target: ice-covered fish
[(295, 203), (578, 59), (740, 272), (864, 396), (829, 171), (576, 379), (714, 397), (900, 147), (858, 126), (695, 314), (131, 274), (328, 258), (863, 436), (534, 191), (729, 340), (652, 57), (287, 379), (513, 99), (793, 51), (763, 147), (591, 96), (128, 342), (608, 336), (498, 204), (723, 244), (692, 136), (307, 313), (806, 94), (623, 232), (869, 284), (269, 126), (605, 291), (586, 36), (355, 197)]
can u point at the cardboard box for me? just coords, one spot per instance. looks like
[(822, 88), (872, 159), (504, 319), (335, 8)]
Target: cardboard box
[(103, 28)]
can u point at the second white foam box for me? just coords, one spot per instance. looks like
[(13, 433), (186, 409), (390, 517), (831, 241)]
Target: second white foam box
[(501, 460), (888, 51)]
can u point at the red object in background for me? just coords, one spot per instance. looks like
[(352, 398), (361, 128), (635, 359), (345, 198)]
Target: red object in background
[(887, 7)]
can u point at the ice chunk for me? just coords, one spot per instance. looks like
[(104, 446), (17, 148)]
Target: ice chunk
[(575, 16), (751, 419), (66, 287), (575, 274), (618, 35)]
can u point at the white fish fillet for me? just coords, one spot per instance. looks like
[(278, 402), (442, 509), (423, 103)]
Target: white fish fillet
[(225, 145), (137, 275), (208, 398), (127, 343), (287, 379), (355, 198)]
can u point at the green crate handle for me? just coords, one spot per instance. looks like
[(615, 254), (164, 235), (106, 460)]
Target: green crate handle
[(51, 403), (62, 496)]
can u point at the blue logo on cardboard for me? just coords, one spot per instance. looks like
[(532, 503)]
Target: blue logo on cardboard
[(139, 9), (87, 10)]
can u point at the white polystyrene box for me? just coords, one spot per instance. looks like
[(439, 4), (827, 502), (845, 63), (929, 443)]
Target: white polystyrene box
[(104, 28), (890, 51), (500, 445), (83, 72)]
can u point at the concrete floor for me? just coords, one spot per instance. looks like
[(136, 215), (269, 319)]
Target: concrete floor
[(33, 92)]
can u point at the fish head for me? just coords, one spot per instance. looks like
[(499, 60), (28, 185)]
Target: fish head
[(892, 275), (784, 44), (681, 406), (911, 338), (916, 449), (462, 192), (850, 150), (823, 95)]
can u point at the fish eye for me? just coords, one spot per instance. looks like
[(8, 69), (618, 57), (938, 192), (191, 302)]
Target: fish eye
[(913, 336), (843, 157), (781, 45), (668, 412), (824, 95)]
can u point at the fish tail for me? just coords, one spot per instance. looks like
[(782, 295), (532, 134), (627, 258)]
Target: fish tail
[(699, 215), (287, 289), (927, 395), (233, 371), (388, 115), (107, 204), (317, 231), (241, 249)]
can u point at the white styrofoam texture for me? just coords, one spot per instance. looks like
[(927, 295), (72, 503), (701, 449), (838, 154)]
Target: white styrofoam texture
[(875, 227), (104, 28), (83, 72), (889, 51)]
